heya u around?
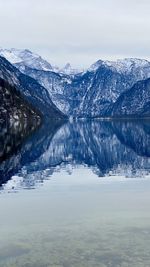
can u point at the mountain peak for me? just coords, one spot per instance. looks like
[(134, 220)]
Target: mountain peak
[(96, 65), (121, 65), (69, 70), (67, 66), (25, 57)]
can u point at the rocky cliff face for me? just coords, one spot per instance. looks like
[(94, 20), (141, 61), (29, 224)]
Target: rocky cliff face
[(91, 93), (18, 119), (134, 102), (87, 94), (13, 108), (32, 91)]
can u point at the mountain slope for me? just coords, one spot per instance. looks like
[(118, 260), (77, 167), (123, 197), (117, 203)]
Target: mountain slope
[(13, 108), (91, 93), (57, 85), (25, 57), (132, 66), (22, 58), (134, 102), (33, 92)]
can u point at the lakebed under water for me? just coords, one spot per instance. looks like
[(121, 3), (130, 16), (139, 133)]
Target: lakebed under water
[(77, 194)]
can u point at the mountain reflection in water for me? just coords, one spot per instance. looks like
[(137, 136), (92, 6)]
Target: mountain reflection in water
[(107, 148)]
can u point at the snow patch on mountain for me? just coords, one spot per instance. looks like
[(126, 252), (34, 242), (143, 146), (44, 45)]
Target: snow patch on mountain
[(68, 70), (123, 66), (85, 93), (10, 56), (22, 58), (25, 58)]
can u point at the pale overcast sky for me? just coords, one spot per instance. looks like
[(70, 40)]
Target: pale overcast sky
[(77, 31)]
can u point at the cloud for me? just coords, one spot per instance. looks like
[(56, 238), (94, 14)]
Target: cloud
[(79, 31)]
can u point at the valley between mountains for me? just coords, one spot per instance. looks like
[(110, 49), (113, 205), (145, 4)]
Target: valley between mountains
[(107, 89)]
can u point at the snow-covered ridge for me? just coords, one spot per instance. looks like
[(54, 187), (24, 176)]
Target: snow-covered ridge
[(91, 93), (10, 55), (25, 58), (125, 65), (69, 70)]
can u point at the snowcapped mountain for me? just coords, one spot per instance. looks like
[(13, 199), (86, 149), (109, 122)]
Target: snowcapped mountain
[(32, 91), (54, 83), (89, 93), (22, 58), (125, 66), (134, 102), (93, 92), (68, 70), (25, 58)]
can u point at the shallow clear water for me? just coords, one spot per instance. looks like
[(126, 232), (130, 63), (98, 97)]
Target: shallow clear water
[(77, 194)]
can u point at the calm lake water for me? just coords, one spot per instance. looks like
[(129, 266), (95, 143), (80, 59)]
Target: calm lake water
[(75, 195)]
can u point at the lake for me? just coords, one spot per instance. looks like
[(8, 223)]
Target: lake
[(75, 194)]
